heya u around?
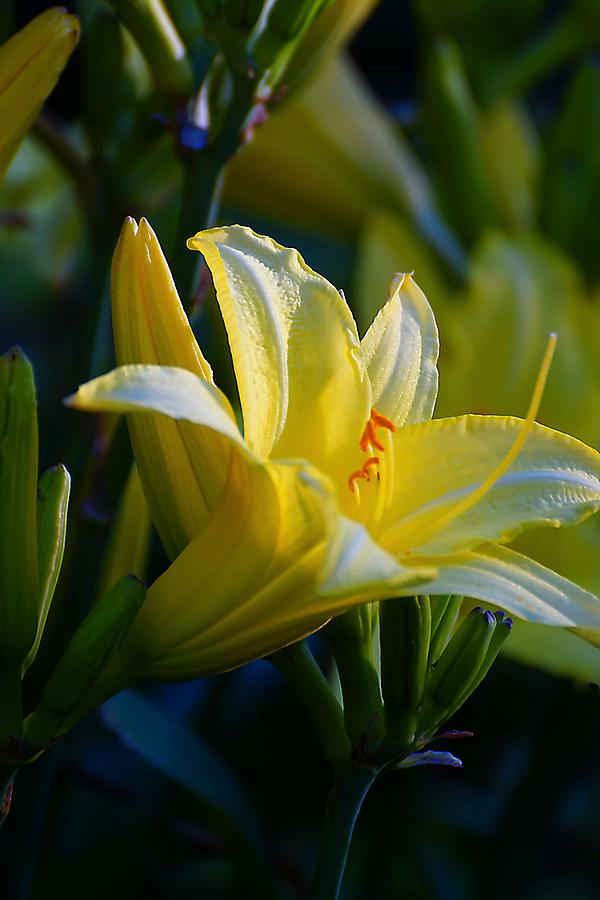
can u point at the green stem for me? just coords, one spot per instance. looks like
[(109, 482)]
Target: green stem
[(349, 793), (203, 172), (298, 666), (74, 165)]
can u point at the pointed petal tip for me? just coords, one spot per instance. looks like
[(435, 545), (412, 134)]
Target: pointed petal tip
[(129, 227)]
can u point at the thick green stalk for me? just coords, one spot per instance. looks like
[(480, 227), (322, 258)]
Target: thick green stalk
[(349, 793), (298, 666)]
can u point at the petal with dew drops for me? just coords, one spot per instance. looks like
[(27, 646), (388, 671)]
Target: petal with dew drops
[(182, 468), (555, 480), (173, 392), (400, 351), (295, 348), (518, 584), (30, 64)]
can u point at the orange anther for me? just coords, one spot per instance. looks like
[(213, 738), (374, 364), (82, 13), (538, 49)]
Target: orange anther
[(365, 472), (369, 439), (381, 421)]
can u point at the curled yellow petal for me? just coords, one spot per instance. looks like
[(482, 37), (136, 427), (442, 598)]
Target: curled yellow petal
[(400, 351), (30, 64)]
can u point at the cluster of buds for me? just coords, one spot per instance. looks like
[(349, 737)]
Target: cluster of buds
[(32, 541), (431, 661)]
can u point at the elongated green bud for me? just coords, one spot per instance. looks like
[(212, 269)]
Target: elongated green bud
[(444, 613), (501, 632), (87, 654), (457, 667), (18, 486), (405, 631), (152, 27), (350, 637), (454, 139), (52, 506), (286, 22)]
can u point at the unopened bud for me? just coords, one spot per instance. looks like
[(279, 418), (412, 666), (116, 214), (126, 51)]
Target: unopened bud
[(457, 667), (87, 654), (405, 631)]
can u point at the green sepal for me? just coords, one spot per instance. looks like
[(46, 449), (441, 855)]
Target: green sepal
[(405, 632), (87, 654), (456, 669), (18, 487), (52, 507), (444, 615)]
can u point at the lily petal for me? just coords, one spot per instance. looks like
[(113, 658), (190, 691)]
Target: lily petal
[(246, 585), (295, 348), (516, 583), (400, 351), (555, 480), (357, 565), (250, 582), (182, 469), (168, 474)]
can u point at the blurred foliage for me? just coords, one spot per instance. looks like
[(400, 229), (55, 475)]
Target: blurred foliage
[(456, 139)]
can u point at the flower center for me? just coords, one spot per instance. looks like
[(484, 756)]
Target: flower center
[(375, 464)]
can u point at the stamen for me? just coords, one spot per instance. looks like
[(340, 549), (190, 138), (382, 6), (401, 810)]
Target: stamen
[(386, 477), (369, 442), (365, 472), (369, 438), (496, 474)]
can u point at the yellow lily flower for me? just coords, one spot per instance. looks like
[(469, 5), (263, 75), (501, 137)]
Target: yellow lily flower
[(341, 489), (519, 289), (30, 63)]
